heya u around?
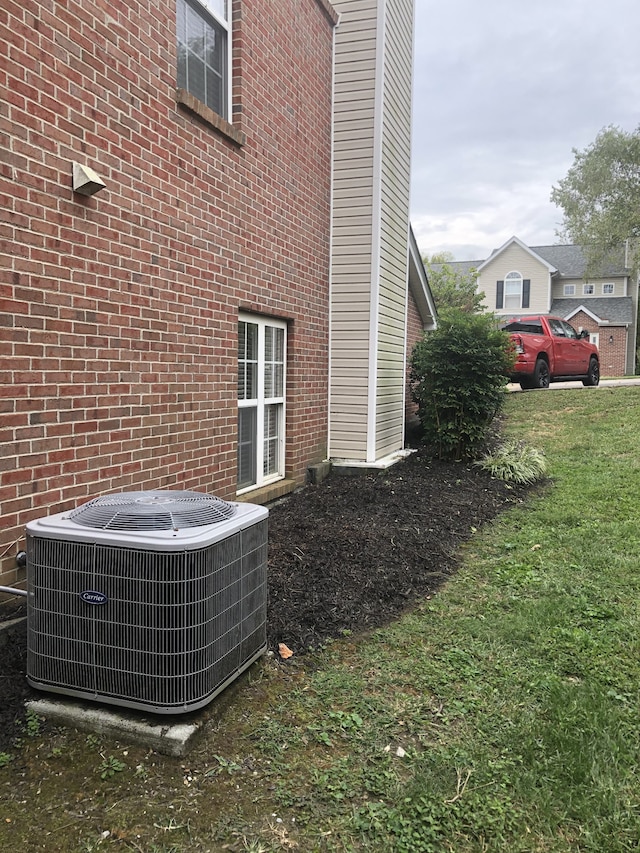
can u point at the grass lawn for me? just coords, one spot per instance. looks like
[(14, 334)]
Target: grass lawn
[(501, 715)]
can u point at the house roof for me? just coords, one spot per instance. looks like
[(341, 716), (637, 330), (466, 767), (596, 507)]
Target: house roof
[(563, 261), (419, 285), (571, 261), (617, 311)]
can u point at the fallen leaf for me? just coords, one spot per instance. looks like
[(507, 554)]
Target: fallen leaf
[(285, 651)]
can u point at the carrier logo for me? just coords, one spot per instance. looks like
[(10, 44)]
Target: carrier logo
[(89, 596)]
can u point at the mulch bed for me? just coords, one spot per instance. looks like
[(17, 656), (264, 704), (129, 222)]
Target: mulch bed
[(347, 555)]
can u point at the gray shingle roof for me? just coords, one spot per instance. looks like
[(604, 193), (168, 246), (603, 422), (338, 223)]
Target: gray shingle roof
[(570, 261), (615, 310), (462, 267)]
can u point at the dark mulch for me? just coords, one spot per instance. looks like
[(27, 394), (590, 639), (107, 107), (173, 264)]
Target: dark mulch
[(348, 555)]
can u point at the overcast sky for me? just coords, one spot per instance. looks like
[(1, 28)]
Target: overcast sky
[(503, 91)]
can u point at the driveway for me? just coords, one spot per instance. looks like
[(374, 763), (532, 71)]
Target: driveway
[(604, 383)]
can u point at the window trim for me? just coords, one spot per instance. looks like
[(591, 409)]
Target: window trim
[(525, 293), (609, 284), (569, 290), (210, 117), (262, 402), (588, 289)]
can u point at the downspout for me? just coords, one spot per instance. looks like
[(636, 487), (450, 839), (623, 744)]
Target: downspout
[(331, 184)]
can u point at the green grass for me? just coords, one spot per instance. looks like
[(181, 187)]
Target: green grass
[(501, 715)]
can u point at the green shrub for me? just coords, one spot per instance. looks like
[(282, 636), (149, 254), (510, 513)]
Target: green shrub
[(458, 379), (515, 462)]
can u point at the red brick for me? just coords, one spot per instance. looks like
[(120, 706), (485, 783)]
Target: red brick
[(122, 307)]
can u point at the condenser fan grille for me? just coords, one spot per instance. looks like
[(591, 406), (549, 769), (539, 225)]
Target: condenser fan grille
[(152, 510)]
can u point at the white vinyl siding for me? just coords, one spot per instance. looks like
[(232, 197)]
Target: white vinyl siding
[(394, 255), (618, 285), (369, 272), (352, 226), (515, 258)]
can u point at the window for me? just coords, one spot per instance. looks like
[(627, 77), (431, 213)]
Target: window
[(607, 289), (557, 328), (525, 326), (587, 289), (569, 290), (513, 290), (261, 394), (569, 331), (204, 52)]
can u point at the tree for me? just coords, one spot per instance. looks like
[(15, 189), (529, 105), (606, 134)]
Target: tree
[(600, 198), (450, 287)]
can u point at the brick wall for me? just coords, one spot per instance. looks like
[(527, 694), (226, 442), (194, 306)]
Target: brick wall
[(119, 311), (612, 353)]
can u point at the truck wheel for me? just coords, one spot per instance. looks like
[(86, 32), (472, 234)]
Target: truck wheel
[(541, 374), (593, 375)]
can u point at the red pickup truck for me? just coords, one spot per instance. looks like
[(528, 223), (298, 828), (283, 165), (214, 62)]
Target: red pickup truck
[(548, 349)]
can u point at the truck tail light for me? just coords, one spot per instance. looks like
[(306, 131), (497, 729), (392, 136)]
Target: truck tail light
[(518, 344)]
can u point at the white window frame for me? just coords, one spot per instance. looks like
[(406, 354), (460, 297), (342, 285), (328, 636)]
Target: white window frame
[(262, 403), (219, 12), (588, 290), (569, 290), (513, 300), (608, 288)]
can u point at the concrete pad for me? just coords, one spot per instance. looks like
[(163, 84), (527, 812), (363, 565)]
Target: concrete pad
[(165, 736)]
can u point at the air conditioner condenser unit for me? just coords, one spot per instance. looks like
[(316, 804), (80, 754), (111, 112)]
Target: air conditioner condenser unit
[(149, 600)]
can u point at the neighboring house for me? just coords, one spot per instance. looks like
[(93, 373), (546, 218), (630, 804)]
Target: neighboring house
[(518, 279), (182, 327)]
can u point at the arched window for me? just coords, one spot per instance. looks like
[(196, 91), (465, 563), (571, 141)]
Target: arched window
[(513, 290)]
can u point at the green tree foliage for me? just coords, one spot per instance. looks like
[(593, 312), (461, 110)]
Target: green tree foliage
[(600, 197), (458, 379), (450, 287)]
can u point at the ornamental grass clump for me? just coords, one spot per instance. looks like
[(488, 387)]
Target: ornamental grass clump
[(515, 462), (459, 374)]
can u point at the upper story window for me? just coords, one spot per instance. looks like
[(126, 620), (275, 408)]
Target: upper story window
[(513, 293), (204, 55), (513, 290), (587, 289), (608, 289), (569, 290)]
